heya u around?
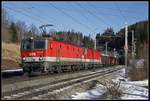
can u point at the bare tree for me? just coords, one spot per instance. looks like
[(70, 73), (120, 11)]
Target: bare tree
[(33, 31), (22, 30), (5, 26)]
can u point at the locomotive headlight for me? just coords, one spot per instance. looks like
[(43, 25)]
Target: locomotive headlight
[(24, 59), (40, 59)]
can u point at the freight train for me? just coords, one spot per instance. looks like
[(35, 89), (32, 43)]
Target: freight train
[(48, 55)]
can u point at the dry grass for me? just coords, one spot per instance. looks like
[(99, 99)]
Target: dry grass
[(112, 89), (10, 55)]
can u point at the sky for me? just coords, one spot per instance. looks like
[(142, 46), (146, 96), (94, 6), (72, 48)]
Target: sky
[(86, 17)]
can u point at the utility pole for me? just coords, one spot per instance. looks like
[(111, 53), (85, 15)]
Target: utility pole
[(106, 48), (126, 50), (95, 38), (95, 43), (133, 46), (114, 52)]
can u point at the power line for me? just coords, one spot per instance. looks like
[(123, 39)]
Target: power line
[(39, 20), (82, 14), (75, 20), (121, 12), (40, 17), (126, 11), (32, 17), (114, 15), (92, 14), (55, 20), (96, 9), (115, 9), (51, 18), (26, 9)]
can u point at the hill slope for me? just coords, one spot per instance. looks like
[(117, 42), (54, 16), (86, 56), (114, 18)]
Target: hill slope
[(10, 56)]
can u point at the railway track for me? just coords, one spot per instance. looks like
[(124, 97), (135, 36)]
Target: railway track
[(45, 90), (26, 78), (21, 78)]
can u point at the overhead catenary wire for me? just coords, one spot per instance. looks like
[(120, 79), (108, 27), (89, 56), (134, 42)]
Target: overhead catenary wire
[(113, 15), (91, 13), (83, 14), (116, 10), (101, 12), (75, 20), (37, 18), (54, 20), (125, 19), (125, 11), (33, 18), (43, 18)]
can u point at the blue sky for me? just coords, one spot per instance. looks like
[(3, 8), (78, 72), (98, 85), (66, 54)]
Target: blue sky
[(85, 17)]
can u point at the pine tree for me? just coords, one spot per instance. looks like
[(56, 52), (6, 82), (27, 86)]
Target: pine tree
[(13, 32)]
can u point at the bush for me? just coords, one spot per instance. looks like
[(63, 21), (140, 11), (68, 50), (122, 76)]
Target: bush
[(112, 90)]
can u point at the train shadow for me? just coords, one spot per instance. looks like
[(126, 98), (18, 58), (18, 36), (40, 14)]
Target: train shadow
[(11, 74)]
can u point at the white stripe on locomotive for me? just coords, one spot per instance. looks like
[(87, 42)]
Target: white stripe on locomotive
[(55, 59)]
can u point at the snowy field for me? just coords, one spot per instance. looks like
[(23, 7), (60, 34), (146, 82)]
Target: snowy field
[(130, 89)]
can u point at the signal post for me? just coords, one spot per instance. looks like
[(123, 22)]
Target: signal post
[(126, 50)]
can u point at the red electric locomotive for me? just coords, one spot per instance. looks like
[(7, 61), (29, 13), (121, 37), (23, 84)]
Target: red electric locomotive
[(47, 55)]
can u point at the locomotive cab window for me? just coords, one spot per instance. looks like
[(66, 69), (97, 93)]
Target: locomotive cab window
[(40, 44), (27, 45), (33, 44)]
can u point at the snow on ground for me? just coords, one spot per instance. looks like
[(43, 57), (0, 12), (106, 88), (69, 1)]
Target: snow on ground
[(14, 70), (133, 92), (130, 89), (139, 83), (93, 94)]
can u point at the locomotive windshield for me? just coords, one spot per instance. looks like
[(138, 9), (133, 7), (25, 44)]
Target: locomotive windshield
[(33, 44), (39, 44), (27, 45)]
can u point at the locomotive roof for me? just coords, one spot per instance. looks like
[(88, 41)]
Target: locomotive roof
[(39, 38), (50, 38)]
